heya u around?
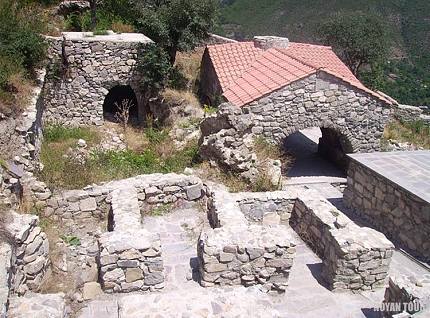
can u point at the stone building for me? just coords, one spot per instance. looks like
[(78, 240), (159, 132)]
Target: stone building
[(88, 75), (275, 87)]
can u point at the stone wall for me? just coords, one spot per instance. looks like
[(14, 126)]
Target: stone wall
[(82, 70), (407, 297), (250, 256), (30, 260), (130, 261), (353, 257), (38, 305), (130, 257), (20, 137), (408, 113), (93, 201), (402, 216), (238, 251), (210, 87), (267, 207), (316, 101)]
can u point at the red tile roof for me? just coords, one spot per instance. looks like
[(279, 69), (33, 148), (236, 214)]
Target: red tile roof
[(247, 73)]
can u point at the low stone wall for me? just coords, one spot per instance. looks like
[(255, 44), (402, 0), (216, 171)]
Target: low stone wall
[(249, 256), (237, 252), (408, 113), (353, 257), (30, 260), (267, 207), (20, 144), (130, 257), (93, 201), (130, 261), (402, 216), (407, 297)]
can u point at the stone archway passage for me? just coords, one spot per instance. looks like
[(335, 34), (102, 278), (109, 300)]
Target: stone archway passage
[(116, 96)]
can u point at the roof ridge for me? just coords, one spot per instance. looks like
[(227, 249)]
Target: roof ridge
[(327, 47)]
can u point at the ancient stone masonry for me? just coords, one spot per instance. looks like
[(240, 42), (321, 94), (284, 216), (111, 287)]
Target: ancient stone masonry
[(403, 216), (248, 256), (236, 252), (83, 68), (408, 113), (93, 201), (130, 257), (317, 101), (407, 297), (354, 258), (30, 257), (20, 143)]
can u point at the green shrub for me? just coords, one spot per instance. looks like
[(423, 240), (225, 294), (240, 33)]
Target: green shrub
[(58, 132), (73, 22), (20, 36)]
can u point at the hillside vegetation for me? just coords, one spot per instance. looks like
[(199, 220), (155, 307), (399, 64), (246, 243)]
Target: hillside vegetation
[(407, 74)]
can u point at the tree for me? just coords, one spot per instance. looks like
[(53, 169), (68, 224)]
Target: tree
[(359, 38), (177, 25), (155, 68), (93, 9)]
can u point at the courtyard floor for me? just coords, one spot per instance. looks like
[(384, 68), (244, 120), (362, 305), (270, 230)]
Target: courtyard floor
[(306, 296)]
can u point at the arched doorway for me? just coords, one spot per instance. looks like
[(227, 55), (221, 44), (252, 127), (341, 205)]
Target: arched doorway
[(318, 152), (118, 96)]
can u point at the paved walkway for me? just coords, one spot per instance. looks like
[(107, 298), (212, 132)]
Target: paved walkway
[(310, 167), (306, 296)]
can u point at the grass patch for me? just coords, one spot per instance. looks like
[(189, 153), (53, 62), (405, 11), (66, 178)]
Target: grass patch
[(59, 133), (159, 210), (71, 240), (264, 149), (153, 152), (417, 133)]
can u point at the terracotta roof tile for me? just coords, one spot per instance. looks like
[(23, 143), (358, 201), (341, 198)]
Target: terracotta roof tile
[(247, 73)]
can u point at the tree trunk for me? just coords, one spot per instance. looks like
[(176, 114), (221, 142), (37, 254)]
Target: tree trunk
[(93, 8), (172, 54)]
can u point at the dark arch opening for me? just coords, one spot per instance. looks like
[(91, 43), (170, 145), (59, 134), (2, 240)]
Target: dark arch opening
[(116, 96), (318, 152)]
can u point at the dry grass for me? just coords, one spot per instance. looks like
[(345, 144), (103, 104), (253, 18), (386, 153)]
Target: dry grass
[(265, 150), (120, 27), (16, 100), (176, 97), (189, 65), (416, 133), (234, 183), (135, 139)]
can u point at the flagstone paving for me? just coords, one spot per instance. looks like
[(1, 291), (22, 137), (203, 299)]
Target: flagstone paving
[(182, 296)]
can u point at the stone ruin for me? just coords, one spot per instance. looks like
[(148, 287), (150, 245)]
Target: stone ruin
[(407, 297), (84, 68), (130, 257), (251, 239), (257, 248)]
